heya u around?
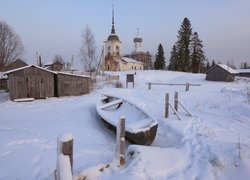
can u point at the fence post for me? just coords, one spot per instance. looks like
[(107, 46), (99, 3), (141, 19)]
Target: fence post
[(120, 154), (187, 86), (176, 101), (167, 105), (65, 147), (149, 85)]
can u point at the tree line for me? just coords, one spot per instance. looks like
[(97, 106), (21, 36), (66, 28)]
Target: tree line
[(187, 53)]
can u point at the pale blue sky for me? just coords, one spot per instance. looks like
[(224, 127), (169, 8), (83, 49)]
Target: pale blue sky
[(54, 26)]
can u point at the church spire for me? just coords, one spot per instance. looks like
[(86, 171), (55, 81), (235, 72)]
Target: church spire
[(113, 21)]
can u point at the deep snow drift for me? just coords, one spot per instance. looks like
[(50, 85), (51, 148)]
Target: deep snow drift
[(212, 144)]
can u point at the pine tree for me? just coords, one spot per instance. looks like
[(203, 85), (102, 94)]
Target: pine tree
[(159, 58), (213, 64), (197, 55), (182, 45), (173, 64), (207, 66)]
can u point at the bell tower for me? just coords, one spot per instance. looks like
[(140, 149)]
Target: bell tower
[(112, 46)]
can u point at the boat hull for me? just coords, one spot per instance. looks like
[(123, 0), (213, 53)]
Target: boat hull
[(141, 138)]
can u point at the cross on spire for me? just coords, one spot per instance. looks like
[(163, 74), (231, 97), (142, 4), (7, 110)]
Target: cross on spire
[(113, 21)]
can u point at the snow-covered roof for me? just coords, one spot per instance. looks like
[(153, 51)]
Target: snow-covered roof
[(130, 60), (49, 63), (229, 69), (70, 74), (25, 67), (243, 70), (54, 72)]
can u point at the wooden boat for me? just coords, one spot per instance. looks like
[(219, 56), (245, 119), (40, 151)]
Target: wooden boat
[(140, 127)]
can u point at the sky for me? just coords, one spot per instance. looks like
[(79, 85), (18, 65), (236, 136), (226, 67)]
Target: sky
[(54, 27)]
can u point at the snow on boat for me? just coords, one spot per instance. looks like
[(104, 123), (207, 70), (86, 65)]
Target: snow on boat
[(140, 126)]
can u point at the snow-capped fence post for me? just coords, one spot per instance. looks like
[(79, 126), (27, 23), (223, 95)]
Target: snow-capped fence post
[(64, 155), (167, 105), (120, 135), (187, 86), (176, 101)]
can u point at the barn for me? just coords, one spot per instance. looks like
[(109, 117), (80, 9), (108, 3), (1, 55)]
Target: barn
[(71, 84), (221, 72), (30, 82)]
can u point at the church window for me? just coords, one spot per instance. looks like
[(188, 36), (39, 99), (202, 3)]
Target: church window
[(117, 48)]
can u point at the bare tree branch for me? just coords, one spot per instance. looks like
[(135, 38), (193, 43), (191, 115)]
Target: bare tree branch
[(11, 46), (88, 50)]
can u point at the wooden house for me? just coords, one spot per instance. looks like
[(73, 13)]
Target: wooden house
[(71, 84), (15, 64), (30, 82), (55, 66), (221, 72)]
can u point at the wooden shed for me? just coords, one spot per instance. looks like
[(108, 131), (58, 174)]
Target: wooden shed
[(71, 84), (221, 72), (30, 82), (15, 64)]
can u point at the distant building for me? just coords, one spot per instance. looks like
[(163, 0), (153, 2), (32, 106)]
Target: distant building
[(244, 72), (113, 60), (138, 53), (54, 66), (143, 57), (221, 72), (15, 64)]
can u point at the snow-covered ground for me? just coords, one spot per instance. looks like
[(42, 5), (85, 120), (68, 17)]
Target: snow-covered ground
[(212, 144)]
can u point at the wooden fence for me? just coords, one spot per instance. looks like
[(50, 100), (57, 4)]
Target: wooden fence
[(187, 85), (175, 107)]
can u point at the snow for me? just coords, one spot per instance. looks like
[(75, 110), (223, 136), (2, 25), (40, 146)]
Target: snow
[(24, 99), (65, 137), (214, 143), (243, 70), (229, 69), (25, 67), (64, 167), (130, 60), (3, 76)]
